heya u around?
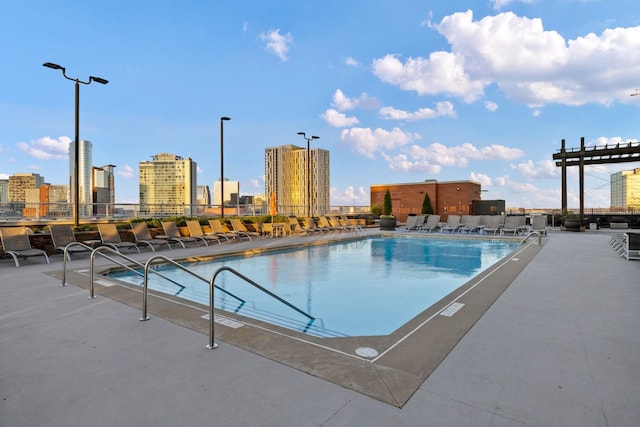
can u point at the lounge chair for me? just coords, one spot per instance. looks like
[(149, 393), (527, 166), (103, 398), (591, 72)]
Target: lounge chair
[(410, 224), (15, 242), (241, 230), (172, 234), (539, 224), (511, 225), (432, 223), (471, 224), (494, 224), (310, 225), (143, 236), (452, 224), (221, 230), (295, 226), (63, 238), (326, 225), (195, 231), (351, 225), (335, 223), (110, 237)]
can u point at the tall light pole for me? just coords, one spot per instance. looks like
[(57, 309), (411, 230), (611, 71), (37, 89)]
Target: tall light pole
[(76, 172), (222, 120), (309, 139)]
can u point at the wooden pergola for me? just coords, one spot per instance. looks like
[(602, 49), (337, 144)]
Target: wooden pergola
[(596, 155)]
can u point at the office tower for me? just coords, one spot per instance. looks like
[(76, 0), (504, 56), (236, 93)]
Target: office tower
[(4, 191), (300, 187), (85, 165), (103, 189), (203, 199), (625, 189), (167, 185), (20, 182), (231, 193)]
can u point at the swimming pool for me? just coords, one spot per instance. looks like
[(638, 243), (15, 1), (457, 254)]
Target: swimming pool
[(359, 288)]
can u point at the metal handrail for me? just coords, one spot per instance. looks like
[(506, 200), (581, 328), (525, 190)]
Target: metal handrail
[(533, 233), (254, 284), (66, 255), (128, 267)]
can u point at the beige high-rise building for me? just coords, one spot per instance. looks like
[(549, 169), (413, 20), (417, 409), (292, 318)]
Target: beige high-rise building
[(300, 188), (167, 185), (625, 189), (20, 182)]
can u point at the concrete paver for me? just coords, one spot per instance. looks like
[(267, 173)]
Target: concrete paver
[(561, 346)]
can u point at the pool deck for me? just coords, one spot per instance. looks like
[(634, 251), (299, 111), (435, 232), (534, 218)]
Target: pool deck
[(560, 347)]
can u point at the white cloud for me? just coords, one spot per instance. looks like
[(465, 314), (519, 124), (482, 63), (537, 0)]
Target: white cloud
[(484, 180), (351, 62), (47, 148), (277, 43), (544, 169), (350, 196), (344, 103), (338, 119), (491, 106), (442, 72), (416, 158), (442, 109), (499, 4), (126, 171), (367, 142), (531, 65)]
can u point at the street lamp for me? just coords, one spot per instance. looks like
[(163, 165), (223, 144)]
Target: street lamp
[(222, 120), (76, 172), (309, 139)]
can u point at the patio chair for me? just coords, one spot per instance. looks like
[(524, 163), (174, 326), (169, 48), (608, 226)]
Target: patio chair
[(15, 242), (110, 237), (494, 224), (195, 231), (309, 224), (410, 223), (172, 234), (218, 228), (296, 227), (539, 224), (432, 223), (143, 236), (335, 223), (472, 223), (452, 224), (325, 224), (511, 225), (241, 230), (63, 238), (351, 225)]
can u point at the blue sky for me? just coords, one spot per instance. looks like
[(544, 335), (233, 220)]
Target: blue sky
[(397, 91)]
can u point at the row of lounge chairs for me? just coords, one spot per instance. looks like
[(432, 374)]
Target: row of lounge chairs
[(16, 243), (325, 224), (627, 245), (481, 224)]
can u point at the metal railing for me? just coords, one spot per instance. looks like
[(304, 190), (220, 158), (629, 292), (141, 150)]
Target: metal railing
[(532, 233)]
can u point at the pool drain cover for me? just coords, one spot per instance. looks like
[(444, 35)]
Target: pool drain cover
[(367, 352)]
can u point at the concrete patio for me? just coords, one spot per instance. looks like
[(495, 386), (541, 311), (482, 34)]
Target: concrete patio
[(560, 347)]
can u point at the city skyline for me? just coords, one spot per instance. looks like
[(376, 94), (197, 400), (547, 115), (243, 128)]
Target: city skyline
[(469, 90)]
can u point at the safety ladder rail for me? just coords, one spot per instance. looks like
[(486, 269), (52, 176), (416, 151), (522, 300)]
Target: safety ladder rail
[(212, 344), (533, 233)]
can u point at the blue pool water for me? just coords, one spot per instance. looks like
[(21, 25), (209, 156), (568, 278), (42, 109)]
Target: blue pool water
[(365, 287)]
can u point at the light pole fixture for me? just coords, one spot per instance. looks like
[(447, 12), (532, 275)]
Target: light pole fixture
[(222, 120), (76, 172), (309, 139)]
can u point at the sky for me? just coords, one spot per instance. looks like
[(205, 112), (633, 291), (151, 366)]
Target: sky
[(398, 92)]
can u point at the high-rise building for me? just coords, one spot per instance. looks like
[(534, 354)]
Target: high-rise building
[(20, 182), (167, 185), (85, 169), (46, 201), (300, 187), (625, 189), (103, 189), (231, 193), (203, 199), (4, 191)]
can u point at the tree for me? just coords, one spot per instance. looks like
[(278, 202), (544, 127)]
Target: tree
[(387, 208), (426, 205)]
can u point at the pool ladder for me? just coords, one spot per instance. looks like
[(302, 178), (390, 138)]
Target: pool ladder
[(147, 269), (533, 233)]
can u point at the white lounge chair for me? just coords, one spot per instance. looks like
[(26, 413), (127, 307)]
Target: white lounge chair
[(432, 223)]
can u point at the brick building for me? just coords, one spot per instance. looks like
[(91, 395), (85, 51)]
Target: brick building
[(451, 197)]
